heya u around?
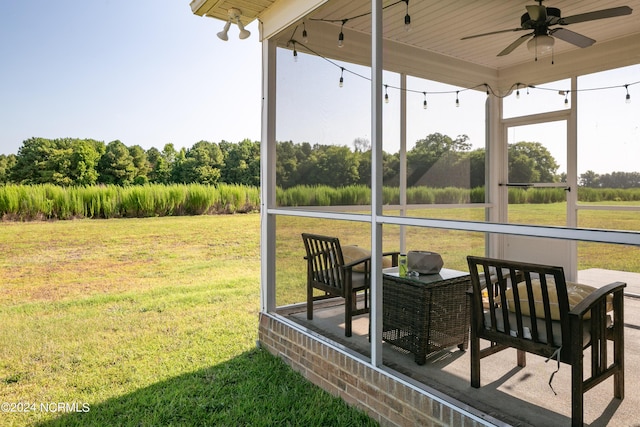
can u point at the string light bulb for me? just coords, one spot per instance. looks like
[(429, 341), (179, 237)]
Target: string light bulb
[(407, 18), (566, 99), (341, 35), (386, 95), (305, 36), (295, 53), (517, 90), (424, 103), (341, 83), (457, 99), (486, 86), (627, 98)]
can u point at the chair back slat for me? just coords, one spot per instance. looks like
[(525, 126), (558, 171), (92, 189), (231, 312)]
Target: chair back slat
[(523, 310), (324, 258)]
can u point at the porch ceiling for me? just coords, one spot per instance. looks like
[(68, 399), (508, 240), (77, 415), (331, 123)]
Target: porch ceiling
[(219, 9), (433, 48)]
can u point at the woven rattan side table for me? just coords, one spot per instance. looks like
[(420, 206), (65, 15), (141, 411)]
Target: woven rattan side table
[(426, 313)]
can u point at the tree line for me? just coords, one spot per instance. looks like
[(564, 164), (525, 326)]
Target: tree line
[(81, 162), (435, 161)]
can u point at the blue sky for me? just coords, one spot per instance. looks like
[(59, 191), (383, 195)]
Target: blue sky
[(145, 72), (149, 72)]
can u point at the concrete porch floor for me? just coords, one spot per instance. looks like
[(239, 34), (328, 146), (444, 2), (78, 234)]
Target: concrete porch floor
[(516, 396)]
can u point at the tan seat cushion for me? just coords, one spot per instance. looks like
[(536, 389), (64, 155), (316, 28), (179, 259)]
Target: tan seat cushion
[(556, 327), (353, 253), (576, 292)]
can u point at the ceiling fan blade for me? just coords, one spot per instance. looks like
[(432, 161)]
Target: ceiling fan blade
[(493, 32), (507, 50), (537, 13), (571, 37), (598, 14)]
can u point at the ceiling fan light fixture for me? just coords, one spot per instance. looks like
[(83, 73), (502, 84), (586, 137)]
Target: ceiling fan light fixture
[(540, 44)]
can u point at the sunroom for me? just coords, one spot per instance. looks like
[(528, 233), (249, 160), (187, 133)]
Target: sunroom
[(398, 77)]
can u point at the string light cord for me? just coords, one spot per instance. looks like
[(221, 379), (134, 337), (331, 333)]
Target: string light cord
[(356, 16), (515, 86)]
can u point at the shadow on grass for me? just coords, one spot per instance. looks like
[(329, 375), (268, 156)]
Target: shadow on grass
[(255, 388)]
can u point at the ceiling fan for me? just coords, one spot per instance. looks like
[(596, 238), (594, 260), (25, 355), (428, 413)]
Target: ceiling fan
[(539, 18)]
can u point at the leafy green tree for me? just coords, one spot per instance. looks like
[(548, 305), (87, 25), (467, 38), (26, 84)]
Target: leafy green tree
[(435, 148), (589, 179), (242, 163), (169, 153), (477, 167), (116, 165), (390, 168), (7, 162), (160, 172), (31, 161), (286, 164), (531, 162), (331, 165), (85, 155), (522, 168), (620, 180), (361, 145), (141, 163), (63, 161), (202, 164), (162, 163), (58, 164)]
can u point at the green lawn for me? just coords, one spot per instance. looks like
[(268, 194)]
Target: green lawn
[(147, 322), (154, 321)]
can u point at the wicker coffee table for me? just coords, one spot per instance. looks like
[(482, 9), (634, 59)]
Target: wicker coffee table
[(426, 313)]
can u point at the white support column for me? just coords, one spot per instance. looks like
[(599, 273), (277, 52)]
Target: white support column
[(496, 170), (403, 158), (376, 182), (268, 179), (572, 178)]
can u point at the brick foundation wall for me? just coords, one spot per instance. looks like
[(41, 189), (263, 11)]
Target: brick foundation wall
[(382, 396)]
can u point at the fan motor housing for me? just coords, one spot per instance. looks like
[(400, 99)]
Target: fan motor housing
[(553, 16)]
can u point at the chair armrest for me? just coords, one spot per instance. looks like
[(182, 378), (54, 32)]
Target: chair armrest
[(394, 257), (596, 296), (356, 262)]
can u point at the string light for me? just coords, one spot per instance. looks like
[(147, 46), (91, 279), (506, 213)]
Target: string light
[(407, 18), (305, 36), (627, 98), (386, 95), (341, 35), (488, 88), (295, 53), (341, 83), (566, 99)]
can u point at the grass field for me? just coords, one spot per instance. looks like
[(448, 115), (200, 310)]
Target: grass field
[(148, 322), (154, 321)]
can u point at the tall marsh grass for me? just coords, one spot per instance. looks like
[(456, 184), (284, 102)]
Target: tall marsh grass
[(39, 202)]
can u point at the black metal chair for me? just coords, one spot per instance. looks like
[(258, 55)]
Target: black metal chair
[(328, 272), (526, 307)]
